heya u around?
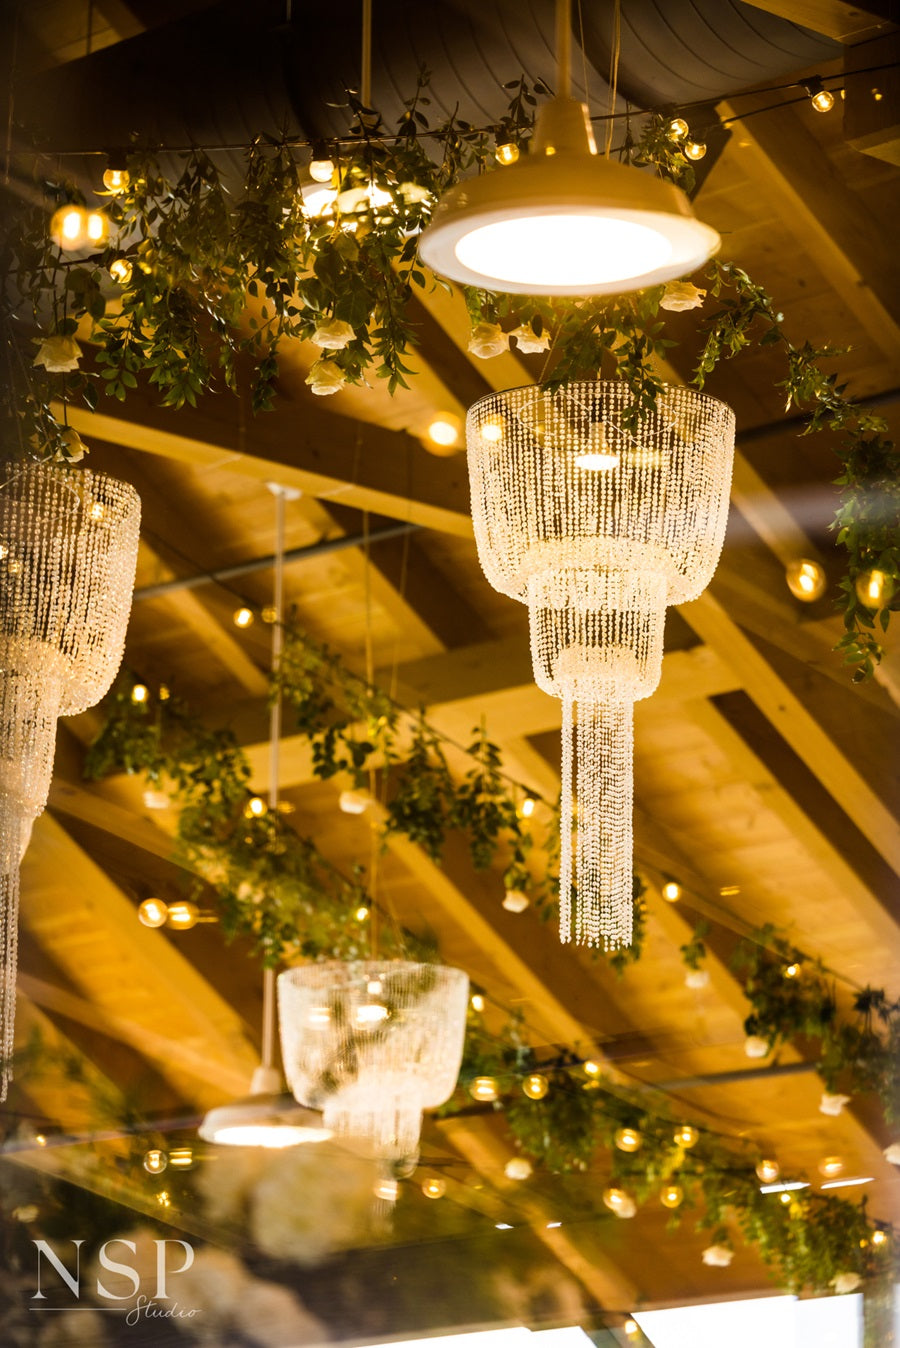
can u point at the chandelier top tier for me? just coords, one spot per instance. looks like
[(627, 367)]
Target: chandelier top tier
[(372, 1043), (564, 220)]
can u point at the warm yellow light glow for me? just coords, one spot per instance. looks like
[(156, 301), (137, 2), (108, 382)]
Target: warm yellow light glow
[(444, 431), (116, 179), (319, 1015), (678, 128), (120, 269), (536, 1086), (507, 153), (163, 1199), (96, 227), (823, 100), (879, 1237), (596, 462), (434, 1188), (672, 1196), (387, 1189), (619, 1201), (591, 1068), (40, 1139), (484, 1089), (792, 971), (155, 1161), (255, 808), (630, 1327), (686, 1136), (627, 1139), (768, 1170), (97, 510), (562, 251), (785, 1199), (515, 901), (153, 913), (273, 1137), (831, 1166), (671, 891), (695, 149), (528, 807), (68, 226), (318, 199), (477, 1001), (182, 915), (181, 1158), (875, 588), (805, 579), (140, 692), (362, 913), (242, 617), (371, 1013), (353, 802), (321, 170), (492, 431)]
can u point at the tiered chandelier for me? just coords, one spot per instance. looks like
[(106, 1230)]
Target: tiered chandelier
[(372, 1043), (68, 549), (597, 518)]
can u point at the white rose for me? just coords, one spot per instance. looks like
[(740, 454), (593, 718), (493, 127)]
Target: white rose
[(696, 978), (488, 339), (681, 295), (73, 447), (892, 1153), (832, 1104), (717, 1256), (325, 377), (754, 1047), (519, 1168), (845, 1282), (528, 340), (333, 335), (58, 354)]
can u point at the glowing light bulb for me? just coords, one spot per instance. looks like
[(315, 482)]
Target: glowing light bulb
[(875, 588), (597, 462), (507, 153), (68, 226), (434, 1188), (96, 227), (805, 579), (484, 1089), (695, 149), (153, 913), (116, 179), (823, 100), (321, 170), (686, 1136), (792, 971), (627, 1139), (362, 913), (630, 1327), (515, 901), (387, 1189), (353, 802), (183, 915), (140, 693), (528, 806), (535, 1086), (40, 1139), (879, 1237), (831, 1166), (768, 1170), (255, 808), (155, 1161), (591, 1068), (242, 617), (620, 1202), (444, 432), (677, 128), (518, 1168), (181, 1158), (318, 199), (785, 1199), (492, 431), (671, 891), (371, 1013), (672, 1196), (121, 270), (476, 1001)]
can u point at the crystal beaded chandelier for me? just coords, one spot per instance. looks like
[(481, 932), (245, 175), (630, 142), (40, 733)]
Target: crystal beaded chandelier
[(372, 1043), (597, 518), (68, 548)]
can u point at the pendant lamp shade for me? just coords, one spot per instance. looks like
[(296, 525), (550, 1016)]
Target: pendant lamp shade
[(597, 524), (563, 220), (68, 549), (372, 1043)]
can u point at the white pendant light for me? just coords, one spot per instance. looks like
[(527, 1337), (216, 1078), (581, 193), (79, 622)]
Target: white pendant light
[(564, 220)]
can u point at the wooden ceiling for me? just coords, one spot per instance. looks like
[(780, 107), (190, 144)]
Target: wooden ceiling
[(759, 770)]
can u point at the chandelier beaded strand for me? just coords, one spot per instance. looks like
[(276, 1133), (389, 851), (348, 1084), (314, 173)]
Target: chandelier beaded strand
[(597, 518), (68, 549)]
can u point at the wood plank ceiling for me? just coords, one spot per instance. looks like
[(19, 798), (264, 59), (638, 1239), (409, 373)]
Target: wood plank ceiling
[(760, 773)]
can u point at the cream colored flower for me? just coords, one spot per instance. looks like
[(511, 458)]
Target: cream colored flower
[(679, 295), (488, 339), (717, 1256), (755, 1047), (333, 335), (696, 978), (528, 341), (518, 1168), (325, 378), (412, 193), (845, 1282), (832, 1104), (58, 354), (73, 447), (892, 1153)]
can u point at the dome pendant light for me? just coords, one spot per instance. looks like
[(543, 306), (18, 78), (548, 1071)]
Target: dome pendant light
[(564, 220)]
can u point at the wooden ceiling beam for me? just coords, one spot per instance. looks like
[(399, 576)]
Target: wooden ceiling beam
[(848, 21)]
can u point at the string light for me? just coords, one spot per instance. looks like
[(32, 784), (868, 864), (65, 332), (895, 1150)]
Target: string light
[(434, 1188), (672, 1196), (321, 168), (671, 891), (153, 913), (507, 153), (875, 589), (786, 1198), (116, 179), (121, 270), (528, 807), (476, 1001), (695, 149), (255, 808), (140, 693), (444, 431), (362, 913), (535, 1086), (518, 1168), (181, 1158), (155, 1161), (68, 226), (620, 1202), (677, 128), (792, 971), (821, 98), (768, 1170), (182, 915), (96, 227), (879, 1237), (242, 617), (686, 1136), (627, 1139), (630, 1327), (830, 1166), (484, 1089), (163, 1199), (805, 579), (591, 1068)]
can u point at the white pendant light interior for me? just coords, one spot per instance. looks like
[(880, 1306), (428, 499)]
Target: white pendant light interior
[(564, 220)]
